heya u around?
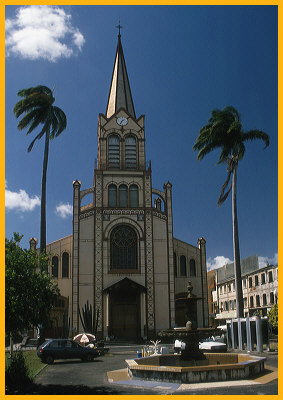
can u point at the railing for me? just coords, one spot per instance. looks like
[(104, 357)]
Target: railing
[(124, 166)]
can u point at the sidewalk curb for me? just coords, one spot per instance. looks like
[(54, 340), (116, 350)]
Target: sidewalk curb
[(38, 372)]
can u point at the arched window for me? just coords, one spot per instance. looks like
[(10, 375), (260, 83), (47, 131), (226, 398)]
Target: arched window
[(134, 196), (113, 152), (175, 263), (112, 196), (123, 248), (123, 196), (130, 152), (183, 266), (54, 268), (192, 267), (65, 265)]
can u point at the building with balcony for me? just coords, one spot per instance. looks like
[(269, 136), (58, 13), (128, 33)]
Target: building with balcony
[(260, 289)]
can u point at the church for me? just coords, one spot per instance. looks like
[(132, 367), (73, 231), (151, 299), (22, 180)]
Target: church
[(122, 256)]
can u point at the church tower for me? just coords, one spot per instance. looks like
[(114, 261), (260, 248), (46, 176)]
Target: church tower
[(122, 242), (121, 257)]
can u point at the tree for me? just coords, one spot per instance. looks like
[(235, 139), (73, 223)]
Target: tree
[(37, 107), (224, 131), (30, 292), (273, 317)]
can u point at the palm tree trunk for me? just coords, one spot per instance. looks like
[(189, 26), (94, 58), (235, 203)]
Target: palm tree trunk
[(237, 264), (43, 195)]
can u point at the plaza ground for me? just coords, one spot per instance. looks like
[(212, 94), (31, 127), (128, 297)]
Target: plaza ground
[(76, 377)]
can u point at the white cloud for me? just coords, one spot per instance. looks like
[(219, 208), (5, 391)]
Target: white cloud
[(217, 262), (263, 261), (42, 32), (20, 201), (64, 210), (220, 261)]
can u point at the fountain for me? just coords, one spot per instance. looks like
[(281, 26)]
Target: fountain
[(193, 365)]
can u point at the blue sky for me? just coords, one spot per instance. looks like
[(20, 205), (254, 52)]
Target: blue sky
[(182, 61)]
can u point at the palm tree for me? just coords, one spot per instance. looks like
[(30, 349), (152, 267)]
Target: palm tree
[(224, 131), (37, 107)]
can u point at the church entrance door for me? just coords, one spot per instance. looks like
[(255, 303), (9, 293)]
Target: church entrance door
[(124, 304), (124, 321)]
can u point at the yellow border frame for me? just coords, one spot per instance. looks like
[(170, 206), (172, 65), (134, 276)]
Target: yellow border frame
[(2, 149)]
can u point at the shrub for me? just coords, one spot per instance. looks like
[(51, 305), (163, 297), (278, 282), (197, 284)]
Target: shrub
[(17, 375)]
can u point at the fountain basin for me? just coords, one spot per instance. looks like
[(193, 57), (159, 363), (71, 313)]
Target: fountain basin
[(212, 368)]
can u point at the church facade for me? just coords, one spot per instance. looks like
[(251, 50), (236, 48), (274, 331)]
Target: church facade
[(122, 256)]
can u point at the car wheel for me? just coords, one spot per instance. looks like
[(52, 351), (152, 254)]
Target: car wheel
[(49, 359), (89, 357)]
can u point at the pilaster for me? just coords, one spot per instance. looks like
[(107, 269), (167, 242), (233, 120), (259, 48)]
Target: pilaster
[(149, 266), (98, 253)]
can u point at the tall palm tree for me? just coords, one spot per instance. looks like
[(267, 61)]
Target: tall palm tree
[(37, 106), (224, 131)]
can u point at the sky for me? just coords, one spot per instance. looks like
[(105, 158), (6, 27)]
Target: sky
[(182, 62)]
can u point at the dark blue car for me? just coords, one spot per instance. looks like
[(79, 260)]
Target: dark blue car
[(54, 349)]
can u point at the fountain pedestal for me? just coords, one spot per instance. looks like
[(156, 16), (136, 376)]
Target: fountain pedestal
[(191, 337)]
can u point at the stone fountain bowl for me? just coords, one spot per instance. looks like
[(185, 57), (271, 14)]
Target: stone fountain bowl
[(214, 367)]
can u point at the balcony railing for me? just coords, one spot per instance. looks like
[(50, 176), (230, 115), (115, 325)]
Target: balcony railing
[(123, 166)]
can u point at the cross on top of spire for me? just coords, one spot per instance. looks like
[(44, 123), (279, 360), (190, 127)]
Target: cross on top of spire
[(119, 27)]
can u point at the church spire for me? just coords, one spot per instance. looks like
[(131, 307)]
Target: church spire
[(120, 92)]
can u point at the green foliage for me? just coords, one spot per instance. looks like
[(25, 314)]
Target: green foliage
[(89, 318), (273, 317), (17, 374), (30, 293)]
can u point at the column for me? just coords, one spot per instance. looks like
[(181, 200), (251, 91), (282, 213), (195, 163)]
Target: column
[(240, 337), (171, 286), (258, 326), (249, 338), (202, 247), (106, 313), (75, 263), (142, 310)]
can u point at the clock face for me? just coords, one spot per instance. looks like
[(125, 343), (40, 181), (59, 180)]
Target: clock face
[(122, 121)]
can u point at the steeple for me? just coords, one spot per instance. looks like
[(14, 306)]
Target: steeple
[(120, 92)]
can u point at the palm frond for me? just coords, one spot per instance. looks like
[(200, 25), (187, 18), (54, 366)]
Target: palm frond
[(233, 112), (39, 136), (36, 89), (33, 117), (206, 149), (224, 197), (39, 120), (62, 120), (256, 134)]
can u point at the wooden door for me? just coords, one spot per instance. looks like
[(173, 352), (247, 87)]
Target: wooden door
[(124, 321)]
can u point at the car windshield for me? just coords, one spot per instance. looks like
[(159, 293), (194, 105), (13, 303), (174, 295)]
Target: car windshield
[(45, 343)]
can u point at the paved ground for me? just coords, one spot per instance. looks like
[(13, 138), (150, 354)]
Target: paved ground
[(76, 377)]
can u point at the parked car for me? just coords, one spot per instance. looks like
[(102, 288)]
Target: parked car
[(213, 345), (54, 349)]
